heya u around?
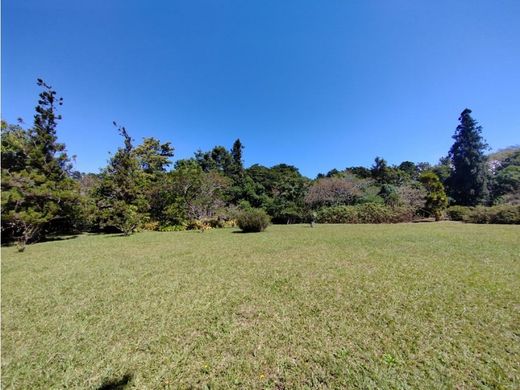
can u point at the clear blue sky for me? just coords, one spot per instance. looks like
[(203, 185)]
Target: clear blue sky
[(317, 84)]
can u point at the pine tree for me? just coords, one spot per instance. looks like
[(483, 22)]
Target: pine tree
[(38, 194), (468, 179), (120, 195), (236, 153)]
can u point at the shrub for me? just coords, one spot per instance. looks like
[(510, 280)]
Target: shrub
[(371, 198), (337, 214), (458, 213), (230, 223), (365, 213), (402, 214), (215, 222), (479, 214), (173, 228), (197, 224), (374, 213), (502, 214), (505, 214), (152, 225), (253, 220)]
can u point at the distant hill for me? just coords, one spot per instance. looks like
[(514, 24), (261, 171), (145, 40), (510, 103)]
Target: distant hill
[(502, 154)]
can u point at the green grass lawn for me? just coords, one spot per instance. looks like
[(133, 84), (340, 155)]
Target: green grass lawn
[(339, 306)]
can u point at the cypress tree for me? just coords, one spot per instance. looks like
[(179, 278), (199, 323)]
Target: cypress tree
[(468, 179)]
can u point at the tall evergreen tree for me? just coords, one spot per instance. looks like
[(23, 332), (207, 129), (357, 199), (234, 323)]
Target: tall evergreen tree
[(120, 196), (468, 179), (38, 194), (236, 153)]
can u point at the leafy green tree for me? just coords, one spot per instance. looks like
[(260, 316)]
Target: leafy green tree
[(38, 194), (287, 188), (389, 194), (361, 172), (409, 168), (153, 159), (380, 170), (194, 194), (468, 180), (219, 158), (409, 171), (279, 190), (442, 169), (384, 174), (120, 196), (507, 180), (436, 199)]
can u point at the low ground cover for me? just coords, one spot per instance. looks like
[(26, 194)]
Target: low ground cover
[(375, 306)]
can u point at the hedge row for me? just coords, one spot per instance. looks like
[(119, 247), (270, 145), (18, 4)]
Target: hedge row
[(364, 213), (501, 214)]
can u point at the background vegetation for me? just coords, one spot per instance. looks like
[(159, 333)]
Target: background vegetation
[(139, 190)]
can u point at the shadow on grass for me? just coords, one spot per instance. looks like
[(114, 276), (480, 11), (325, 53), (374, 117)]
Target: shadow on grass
[(116, 384), (423, 220), (114, 235), (43, 239), (57, 238)]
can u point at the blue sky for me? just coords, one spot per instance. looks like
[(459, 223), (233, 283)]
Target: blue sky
[(316, 84)]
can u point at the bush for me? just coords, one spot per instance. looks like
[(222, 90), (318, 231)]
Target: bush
[(231, 223), (402, 214), (152, 226), (365, 213), (253, 220), (173, 228), (505, 214), (479, 214), (458, 213), (374, 213), (215, 222), (198, 224), (337, 214), (502, 214)]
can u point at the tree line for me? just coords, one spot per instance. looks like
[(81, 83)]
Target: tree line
[(141, 189)]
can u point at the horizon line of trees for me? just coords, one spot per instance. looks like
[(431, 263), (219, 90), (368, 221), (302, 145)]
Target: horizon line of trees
[(139, 188)]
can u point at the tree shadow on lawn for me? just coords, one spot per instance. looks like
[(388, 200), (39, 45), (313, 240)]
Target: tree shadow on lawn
[(58, 238), (116, 384), (44, 239)]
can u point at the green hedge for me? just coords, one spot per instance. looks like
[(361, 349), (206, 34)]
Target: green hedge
[(458, 213), (501, 214), (364, 213)]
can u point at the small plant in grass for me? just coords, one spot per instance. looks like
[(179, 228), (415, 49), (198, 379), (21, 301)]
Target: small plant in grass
[(253, 220), (389, 359)]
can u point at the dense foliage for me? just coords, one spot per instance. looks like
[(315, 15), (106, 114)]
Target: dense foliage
[(501, 214), (41, 195), (468, 178), (253, 220), (38, 194), (436, 199)]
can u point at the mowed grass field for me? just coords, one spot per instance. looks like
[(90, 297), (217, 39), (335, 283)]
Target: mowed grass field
[(414, 306)]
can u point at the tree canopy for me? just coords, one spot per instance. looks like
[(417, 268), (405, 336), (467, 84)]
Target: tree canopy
[(140, 188)]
